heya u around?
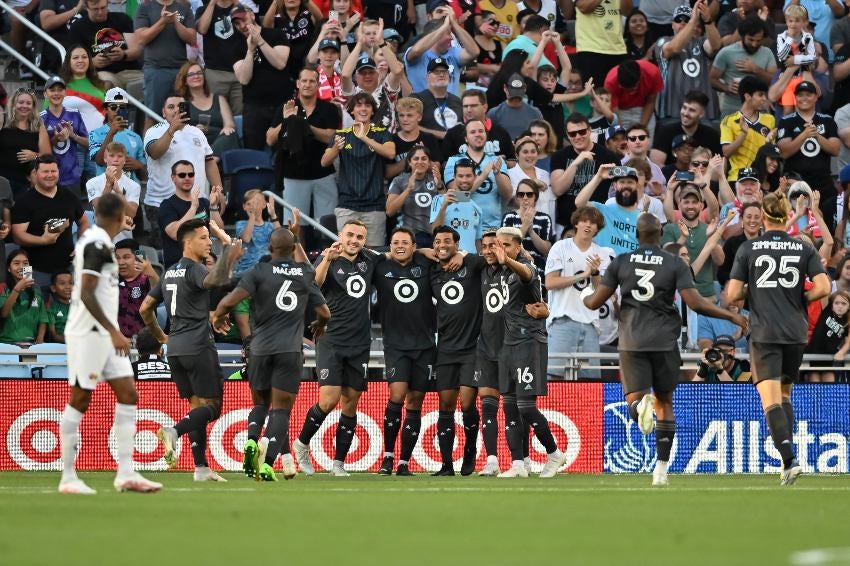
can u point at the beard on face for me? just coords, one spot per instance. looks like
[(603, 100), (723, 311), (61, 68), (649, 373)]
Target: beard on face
[(625, 197)]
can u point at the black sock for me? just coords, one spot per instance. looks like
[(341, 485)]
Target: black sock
[(344, 436), (664, 433), (278, 434), (196, 419), (777, 422), (526, 442), (199, 447), (470, 428), (256, 419), (513, 426), (314, 419), (788, 408), (410, 433), (633, 412), (392, 421), (531, 414), (490, 423), (446, 432)]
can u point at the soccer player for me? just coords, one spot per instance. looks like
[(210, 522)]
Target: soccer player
[(191, 352), (98, 351), (409, 322), (649, 326), (774, 267), (280, 291)]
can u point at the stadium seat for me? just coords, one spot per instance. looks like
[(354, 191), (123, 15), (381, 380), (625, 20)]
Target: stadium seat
[(228, 358), (238, 120), (10, 247), (247, 169), (153, 256), (14, 371), (41, 360), (161, 316)]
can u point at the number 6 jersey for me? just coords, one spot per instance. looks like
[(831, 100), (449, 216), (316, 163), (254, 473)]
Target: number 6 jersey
[(648, 279)]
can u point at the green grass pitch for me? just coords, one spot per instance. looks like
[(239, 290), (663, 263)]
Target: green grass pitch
[(367, 519)]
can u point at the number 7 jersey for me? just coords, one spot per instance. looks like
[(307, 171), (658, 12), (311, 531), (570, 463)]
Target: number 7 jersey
[(648, 279), (775, 267)]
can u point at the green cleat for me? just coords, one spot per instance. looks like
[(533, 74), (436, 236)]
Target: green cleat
[(249, 462), (266, 473)]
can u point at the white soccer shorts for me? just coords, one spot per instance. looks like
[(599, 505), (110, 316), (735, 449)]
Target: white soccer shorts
[(92, 358)]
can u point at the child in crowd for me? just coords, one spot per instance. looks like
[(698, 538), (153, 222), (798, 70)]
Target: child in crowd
[(602, 118), (255, 232), (61, 287), (795, 46), (830, 336)]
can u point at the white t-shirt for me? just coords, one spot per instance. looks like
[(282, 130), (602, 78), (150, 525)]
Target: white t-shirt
[(132, 193), (190, 144), (548, 10), (567, 259), (546, 200)]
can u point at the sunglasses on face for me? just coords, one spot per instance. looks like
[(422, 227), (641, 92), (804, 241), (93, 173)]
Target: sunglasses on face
[(681, 19), (699, 163), (575, 133), (524, 194), (114, 107), (184, 175), (640, 137)]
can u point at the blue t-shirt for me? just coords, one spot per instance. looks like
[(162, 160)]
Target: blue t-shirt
[(465, 217), (487, 196), (710, 328), (66, 151), (128, 138), (256, 248), (526, 44), (620, 232), (417, 70)]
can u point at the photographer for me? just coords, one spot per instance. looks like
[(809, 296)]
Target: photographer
[(720, 364)]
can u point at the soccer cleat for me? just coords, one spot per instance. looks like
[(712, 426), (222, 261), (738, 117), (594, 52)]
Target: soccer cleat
[(446, 470), (266, 473), (659, 478), (554, 463), (206, 474), (515, 471), (75, 486), (470, 454), (250, 460), (790, 474), (135, 482), (527, 463), (403, 470), (386, 468), (338, 470), (302, 456), (260, 458), (646, 413), (491, 469), (168, 437), (289, 470)]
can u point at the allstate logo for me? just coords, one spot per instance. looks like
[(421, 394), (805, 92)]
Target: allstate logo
[(627, 449)]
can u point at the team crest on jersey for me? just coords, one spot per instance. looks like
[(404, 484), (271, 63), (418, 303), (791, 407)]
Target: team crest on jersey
[(416, 271), (93, 376), (136, 293), (323, 374), (390, 372), (462, 273), (361, 265)]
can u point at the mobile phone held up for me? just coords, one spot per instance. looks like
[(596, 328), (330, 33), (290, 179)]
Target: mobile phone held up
[(26, 272), (333, 18), (183, 108), (140, 255), (123, 112)]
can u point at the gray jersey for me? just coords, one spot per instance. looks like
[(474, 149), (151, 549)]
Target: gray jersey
[(493, 290), (648, 279), (281, 291), (519, 325), (775, 267), (188, 305)]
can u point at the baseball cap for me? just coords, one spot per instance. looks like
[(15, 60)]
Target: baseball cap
[(807, 86), (681, 140), (844, 175), (614, 131), (365, 63), (689, 189), (116, 95), (239, 12), (724, 340), (516, 86), (328, 43), (438, 63), (798, 188), (434, 4), (747, 173), (621, 172), (53, 81), (682, 12), (390, 33)]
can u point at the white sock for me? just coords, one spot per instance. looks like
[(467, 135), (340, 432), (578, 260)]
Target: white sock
[(518, 464), (125, 433), (660, 467), (492, 459), (69, 437)]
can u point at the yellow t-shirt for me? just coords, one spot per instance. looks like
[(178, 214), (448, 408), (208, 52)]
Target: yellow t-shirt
[(601, 31), (730, 128), (507, 18)]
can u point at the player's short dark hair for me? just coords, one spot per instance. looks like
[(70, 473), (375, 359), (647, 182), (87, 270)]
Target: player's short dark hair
[(465, 163), (696, 97), (577, 118), (751, 25), (189, 227), (475, 93), (127, 244), (536, 23), (447, 230), (56, 275), (404, 230), (146, 344), (590, 214), (110, 206), (751, 85), (180, 162)]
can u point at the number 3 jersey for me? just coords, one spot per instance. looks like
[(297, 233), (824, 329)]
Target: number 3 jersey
[(94, 255), (775, 267), (281, 291), (648, 279)]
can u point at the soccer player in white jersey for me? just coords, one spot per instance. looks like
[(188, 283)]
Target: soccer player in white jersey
[(97, 351)]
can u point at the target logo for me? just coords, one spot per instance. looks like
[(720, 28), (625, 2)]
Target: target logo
[(423, 199), (691, 67), (810, 147), (355, 286), (147, 453), (228, 437), (406, 291), (365, 449), (452, 293), (429, 436), (33, 440), (494, 300), (566, 433), (581, 284)]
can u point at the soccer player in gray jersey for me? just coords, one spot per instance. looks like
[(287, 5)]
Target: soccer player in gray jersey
[(281, 291), (648, 278), (184, 288), (774, 268)]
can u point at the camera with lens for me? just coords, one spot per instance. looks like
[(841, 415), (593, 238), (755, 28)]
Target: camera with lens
[(713, 355)]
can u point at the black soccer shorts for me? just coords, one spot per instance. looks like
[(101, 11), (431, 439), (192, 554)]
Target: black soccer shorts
[(522, 369), (280, 371), (776, 361), (455, 369), (414, 367), (342, 367), (642, 371), (198, 375)]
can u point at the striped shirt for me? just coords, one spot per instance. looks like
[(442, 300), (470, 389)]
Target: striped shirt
[(361, 171)]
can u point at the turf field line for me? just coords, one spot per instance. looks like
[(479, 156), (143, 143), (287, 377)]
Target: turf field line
[(814, 556)]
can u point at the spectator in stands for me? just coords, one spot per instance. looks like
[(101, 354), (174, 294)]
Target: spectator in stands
[(22, 139), (410, 135), (136, 278), (61, 288), (67, 133), (535, 32), (742, 58), (365, 72), (771, 167), (115, 180), (362, 150), (751, 224), (116, 49), (454, 208), (490, 48), (54, 17), (41, 220), (690, 124), (494, 188), (223, 47), (634, 88), (637, 36), (743, 133), (544, 136), (262, 73), (722, 365), (527, 167), (168, 143), (6, 203), (747, 189), (601, 117), (438, 42), (616, 142), (599, 38), (536, 227), (296, 18), (499, 142), (638, 142), (553, 112), (185, 204), (519, 62), (651, 190), (301, 130), (685, 59), (209, 112), (620, 231), (441, 109), (514, 114), (151, 363), (682, 147), (326, 61), (24, 317), (505, 11), (582, 88), (84, 90), (710, 329), (412, 192), (822, 16), (255, 232), (116, 129), (728, 23)]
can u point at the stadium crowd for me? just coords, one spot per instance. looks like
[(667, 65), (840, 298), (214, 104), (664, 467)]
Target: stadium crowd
[(566, 120)]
